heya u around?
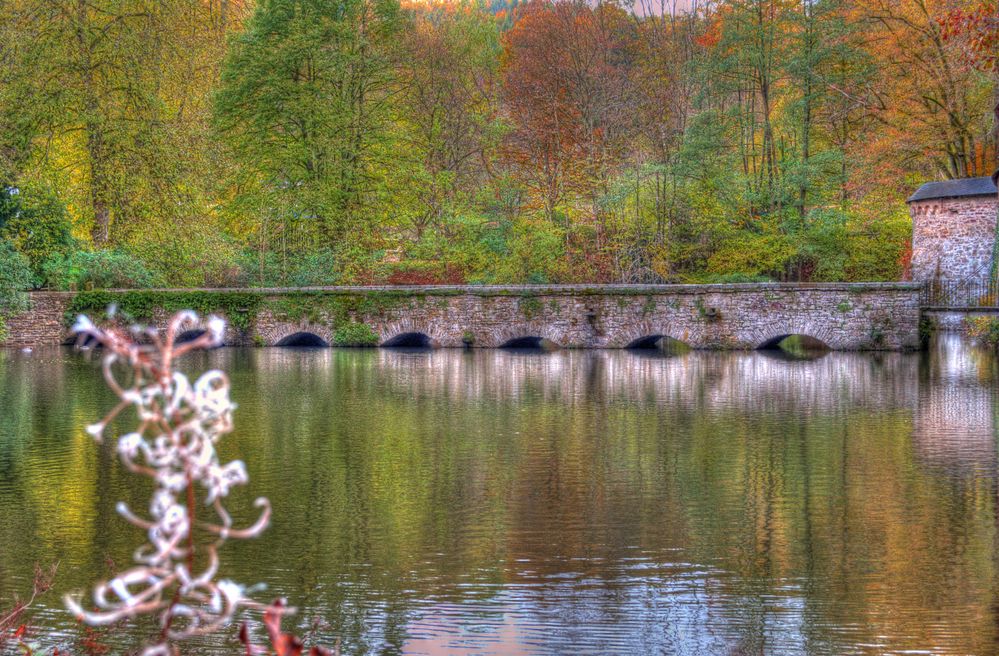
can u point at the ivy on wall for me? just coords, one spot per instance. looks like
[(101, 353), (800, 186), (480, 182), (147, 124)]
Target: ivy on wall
[(239, 308)]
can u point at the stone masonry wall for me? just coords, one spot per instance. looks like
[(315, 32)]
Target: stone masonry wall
[(953, 236), (43, 324), (845, 316)]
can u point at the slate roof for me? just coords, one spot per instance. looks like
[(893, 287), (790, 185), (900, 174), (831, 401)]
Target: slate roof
[(955, 189)]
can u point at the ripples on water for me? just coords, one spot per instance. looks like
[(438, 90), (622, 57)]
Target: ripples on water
[(589, 502)]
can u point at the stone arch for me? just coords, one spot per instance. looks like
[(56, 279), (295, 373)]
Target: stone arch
[(770, 335), (189, 335), (504, 336), (84, 342), (303, 339), (628, 336), (529, 342), (410, 340), (283, 332), (402, 331)]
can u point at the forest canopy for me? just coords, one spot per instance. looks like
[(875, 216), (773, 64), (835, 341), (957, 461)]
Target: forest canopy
[(310, 142)]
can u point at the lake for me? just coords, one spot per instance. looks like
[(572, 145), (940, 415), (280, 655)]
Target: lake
[(594, 502)]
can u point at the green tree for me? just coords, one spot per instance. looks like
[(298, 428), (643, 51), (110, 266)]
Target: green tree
[(36, 224), (446, 123), (304, 100), (107, 100)]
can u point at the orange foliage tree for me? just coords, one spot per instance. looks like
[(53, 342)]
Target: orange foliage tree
[(567, 93)]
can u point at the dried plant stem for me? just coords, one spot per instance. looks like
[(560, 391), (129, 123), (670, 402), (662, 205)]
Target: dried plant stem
[(174, 444)]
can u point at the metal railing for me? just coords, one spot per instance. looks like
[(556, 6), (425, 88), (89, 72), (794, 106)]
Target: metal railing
[(979, 293)]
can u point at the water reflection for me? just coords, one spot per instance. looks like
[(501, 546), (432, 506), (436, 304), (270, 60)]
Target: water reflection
[(955, 425), (595, 502)]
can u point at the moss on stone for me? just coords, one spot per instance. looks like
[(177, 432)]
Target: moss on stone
[(239, 308), (530, 307), (336, 308)]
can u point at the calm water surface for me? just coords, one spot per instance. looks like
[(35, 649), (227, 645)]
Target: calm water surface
[(588, 502)]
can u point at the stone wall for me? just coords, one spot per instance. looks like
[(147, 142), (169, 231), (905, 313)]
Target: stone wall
[(953, 237), (43, 324), (845, 316)]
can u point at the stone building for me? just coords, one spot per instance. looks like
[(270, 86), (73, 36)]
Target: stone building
[(953, 229)]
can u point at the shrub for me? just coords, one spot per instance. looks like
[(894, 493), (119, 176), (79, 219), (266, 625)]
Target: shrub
[(879, 248), (822, 240), (104, 269), (15, 277), (315, 269), (36, 224), (256, 270), (752, 255), (183, 259), (535, 253), (731, 278), (984, 330), (421, 272), (355, 334)]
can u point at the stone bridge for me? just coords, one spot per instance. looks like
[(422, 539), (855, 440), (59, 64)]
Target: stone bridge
[(855, 316)]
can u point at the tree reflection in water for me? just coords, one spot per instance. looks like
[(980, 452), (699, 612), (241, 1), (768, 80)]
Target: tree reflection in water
[(466, 502)]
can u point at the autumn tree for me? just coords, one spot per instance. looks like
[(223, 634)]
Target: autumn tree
[(929, 104), (20, 51), (568, 95), (80, 91), (669, 42), (317, 141), (974, 28), (746, 71)]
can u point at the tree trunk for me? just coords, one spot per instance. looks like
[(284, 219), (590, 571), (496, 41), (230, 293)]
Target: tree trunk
[(806, 127), (96, 137)]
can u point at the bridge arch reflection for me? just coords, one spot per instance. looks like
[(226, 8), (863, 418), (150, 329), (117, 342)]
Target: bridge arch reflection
[(658, 342), (794, 347), (530, 342)]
